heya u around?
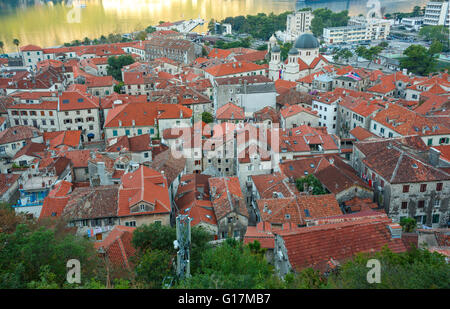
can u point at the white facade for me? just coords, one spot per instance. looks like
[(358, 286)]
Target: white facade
[(437, 14), (327, 115), (297, 24), (412, 23)]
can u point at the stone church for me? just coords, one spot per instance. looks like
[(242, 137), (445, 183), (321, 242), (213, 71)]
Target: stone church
[(303, 59)]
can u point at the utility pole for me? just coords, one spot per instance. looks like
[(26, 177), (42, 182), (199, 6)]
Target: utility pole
[(183, 244)]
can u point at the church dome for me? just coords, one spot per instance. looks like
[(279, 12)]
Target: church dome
[(306, 41), (276, 49), (293, 51)]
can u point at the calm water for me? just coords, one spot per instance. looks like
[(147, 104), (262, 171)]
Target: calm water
[(47, 24)]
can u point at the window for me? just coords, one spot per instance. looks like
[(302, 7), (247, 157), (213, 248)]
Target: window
[(127, 132), (430, 142), (439, 186), (114, 132), (436, 218), (130, 223), (404, 205), (423, 187), (421, 204), (139, 131), (437, 203), (405, 188), (145, 154)]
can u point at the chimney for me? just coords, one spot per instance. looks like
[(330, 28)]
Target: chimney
[(433, 156)]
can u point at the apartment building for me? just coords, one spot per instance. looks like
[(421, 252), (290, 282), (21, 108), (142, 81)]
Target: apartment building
[(69, 110), (179, 50), (376, 28), (298, 23), (407, 178), (437, 14), (358, 29)]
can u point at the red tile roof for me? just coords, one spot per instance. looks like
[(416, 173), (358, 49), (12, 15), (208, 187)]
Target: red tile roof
[(262, 233), (392, 160), (145, 114), (75, 100), (226, 196), (407, 122), (282, 85), (118, 246), (315, 246), (219, 53), (445, 152), (361, 134), (292, 110), (59, 138), (61, 189), (230, 111), (53, 206), (30, 149), (233, 68), (18, 133), (144, 185), (252, 57), (6, 181)]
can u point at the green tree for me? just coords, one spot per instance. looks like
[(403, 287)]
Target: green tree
[(41, 255), (383, 44), (436, 33), (9, 219), (141, 36), (324, 17), (17, 43), (86, 41), (417, 11), (307, 278), (310, 181), (230, 265), (150, 29), (154, 265), (414, 269), (160, 237), (408, 224), (207, 117), (285, 50), (436, 47), (2, 45), (418, 60), (118, 87), (115, 65), (212, 26)]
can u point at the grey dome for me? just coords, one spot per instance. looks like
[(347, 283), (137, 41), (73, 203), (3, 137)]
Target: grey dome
[(276, 49), (293, 51), (306, 41)]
